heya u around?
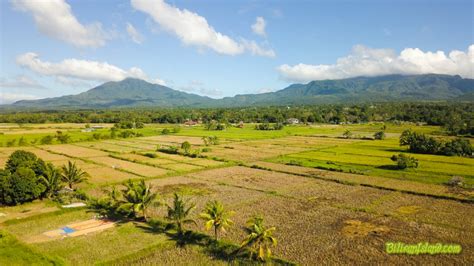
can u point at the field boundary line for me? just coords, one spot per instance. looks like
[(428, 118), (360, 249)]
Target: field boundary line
[(353, 183)]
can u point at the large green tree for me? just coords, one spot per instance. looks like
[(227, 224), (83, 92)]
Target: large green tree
[(20, 181)]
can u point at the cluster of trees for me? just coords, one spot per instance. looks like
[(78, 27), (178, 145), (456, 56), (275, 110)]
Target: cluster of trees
[(135, 199), (456, 118), (268, 126), (167, 131), (63, 138), (421, 143), (215, 125), (129, 124), (27, 177)]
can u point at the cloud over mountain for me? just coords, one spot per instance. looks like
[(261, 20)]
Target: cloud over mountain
[(365, 61), (81, 69)]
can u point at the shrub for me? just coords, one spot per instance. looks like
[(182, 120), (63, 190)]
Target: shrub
[(11, 143), (347, 134), (456, 181), (379, 135), (186, 146), (267, 126), (150, 155), (176, 129), (165, 131), (62, 138), (22, 142), (169, 149), (210, 140), (404, 161)]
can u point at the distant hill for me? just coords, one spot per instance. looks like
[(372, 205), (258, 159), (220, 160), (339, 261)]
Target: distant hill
[(126, 93), (391, 88)]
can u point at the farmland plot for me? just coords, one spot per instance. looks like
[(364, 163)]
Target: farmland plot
[(325, 221), (139, 169)]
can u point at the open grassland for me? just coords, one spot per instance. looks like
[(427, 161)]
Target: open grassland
[(332, 200)]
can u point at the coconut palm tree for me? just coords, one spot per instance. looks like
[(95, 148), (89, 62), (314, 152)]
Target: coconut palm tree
[(51, 179), (72, 175), (215, 216), (137, 197), (178, 213), (259, 238)]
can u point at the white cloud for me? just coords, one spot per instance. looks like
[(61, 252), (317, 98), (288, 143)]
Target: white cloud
[(364, 61), (81, 69), (55, 19), (190, 27), (134, 34), (256, 49), (7, 97), (259, 27), (22, 82), (198, 87), (265, 90)]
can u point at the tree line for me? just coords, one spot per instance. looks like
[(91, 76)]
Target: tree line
[(457, 118)]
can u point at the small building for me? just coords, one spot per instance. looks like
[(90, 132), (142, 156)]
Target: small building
[(190, 123), (89, 129), (97, 127), (292, 121)]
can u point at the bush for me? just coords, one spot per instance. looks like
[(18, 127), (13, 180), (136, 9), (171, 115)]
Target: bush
[(347, 134), (456, 181), (379, 135), (165, 131), (404, 161), (186, 146), (267, 126), (169, 149), (150, 155), (62, 138), (210, 140), (129, 133), (176, 129)]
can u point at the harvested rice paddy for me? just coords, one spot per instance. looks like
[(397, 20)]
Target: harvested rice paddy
[(332, 200)]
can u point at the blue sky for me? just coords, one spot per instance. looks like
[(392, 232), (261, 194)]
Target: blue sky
[(222, 48)]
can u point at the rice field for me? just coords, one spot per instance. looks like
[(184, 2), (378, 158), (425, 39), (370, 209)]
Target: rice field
[(332, 200)]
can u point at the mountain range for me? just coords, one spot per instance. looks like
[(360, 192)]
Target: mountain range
[(132, 92)]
